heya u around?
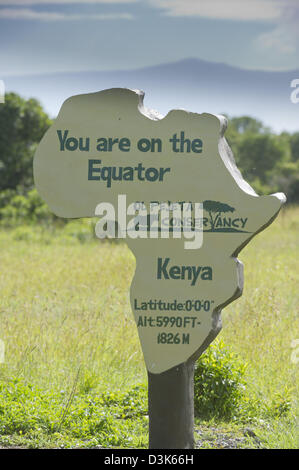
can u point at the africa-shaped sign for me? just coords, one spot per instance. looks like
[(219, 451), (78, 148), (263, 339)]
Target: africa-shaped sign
[(180, 202)]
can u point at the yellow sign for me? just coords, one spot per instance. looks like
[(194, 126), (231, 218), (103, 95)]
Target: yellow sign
[(180, 202)]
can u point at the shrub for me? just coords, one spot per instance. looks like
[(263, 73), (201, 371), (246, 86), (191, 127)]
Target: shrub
[(17, 208), (80, 230), (218, 383), (29, 416)]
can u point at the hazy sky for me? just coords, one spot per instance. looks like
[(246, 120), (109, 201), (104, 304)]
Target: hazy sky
[(38, 36)]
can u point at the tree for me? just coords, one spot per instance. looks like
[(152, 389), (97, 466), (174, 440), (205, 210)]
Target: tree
[(22, 125), (259, 154), (216, 207), (294, 142), (248, 124)]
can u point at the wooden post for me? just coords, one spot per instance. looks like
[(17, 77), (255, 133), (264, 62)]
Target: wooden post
[(171, 408)]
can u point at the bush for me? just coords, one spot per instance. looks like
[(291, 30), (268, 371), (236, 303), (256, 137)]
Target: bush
[(30, 416), (80, 230), (218, 383), (17, 208)]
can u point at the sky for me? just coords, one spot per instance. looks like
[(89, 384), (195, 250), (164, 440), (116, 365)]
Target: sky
[(47, 36)]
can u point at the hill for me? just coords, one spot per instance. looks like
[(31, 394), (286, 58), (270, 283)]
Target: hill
[(192, 84)]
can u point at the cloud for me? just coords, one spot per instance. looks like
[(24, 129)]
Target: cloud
[(283, 14), (241, 10), (284, 38), (28, 14), (17, 13), (279, 39), (49, 2)]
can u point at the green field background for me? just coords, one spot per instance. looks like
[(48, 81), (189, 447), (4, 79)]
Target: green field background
[(70, 337)]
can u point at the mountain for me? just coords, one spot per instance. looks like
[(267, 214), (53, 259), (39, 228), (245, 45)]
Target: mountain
[(191, 84)]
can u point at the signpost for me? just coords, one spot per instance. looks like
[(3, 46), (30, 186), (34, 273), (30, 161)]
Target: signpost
[(173, 188)]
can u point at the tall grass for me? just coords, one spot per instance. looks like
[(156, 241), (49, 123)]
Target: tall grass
[(66, 321), (263, 323), (65, 306)]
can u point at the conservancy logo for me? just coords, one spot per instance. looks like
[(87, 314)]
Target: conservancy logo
[(217, 217), (220, 218)]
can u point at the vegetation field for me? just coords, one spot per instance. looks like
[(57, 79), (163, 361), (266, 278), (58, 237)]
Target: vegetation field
[(73, 373)]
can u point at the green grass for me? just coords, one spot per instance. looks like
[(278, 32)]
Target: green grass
[(72, 353)]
